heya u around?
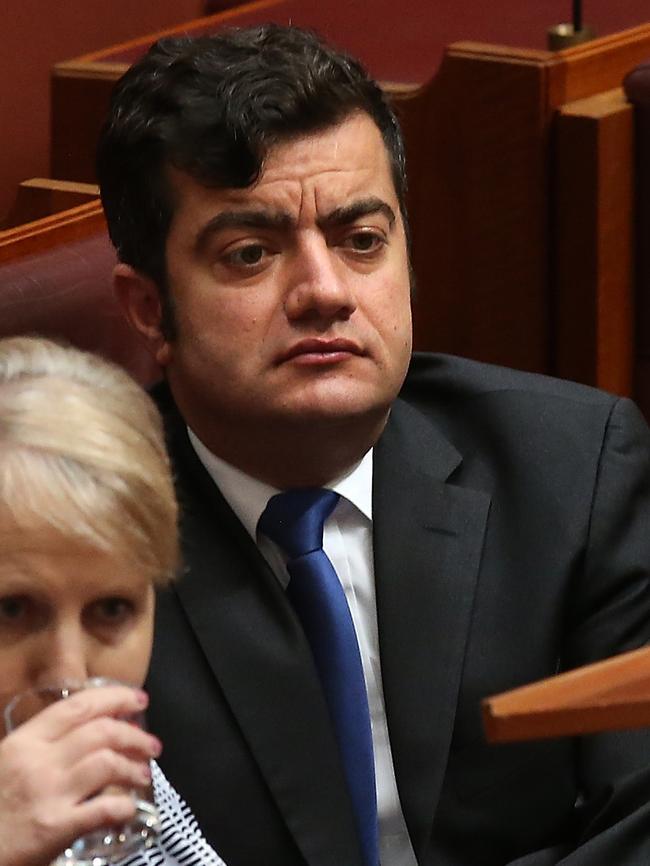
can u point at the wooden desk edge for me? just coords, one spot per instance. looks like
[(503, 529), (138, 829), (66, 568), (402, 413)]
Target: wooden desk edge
[(606, 695), (78, 222)]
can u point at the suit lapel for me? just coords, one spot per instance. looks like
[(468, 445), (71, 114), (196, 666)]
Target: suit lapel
[(257, 652), (428, 536)]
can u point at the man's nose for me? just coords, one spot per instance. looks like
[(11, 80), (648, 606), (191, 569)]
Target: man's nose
[(60, 656), (319, 284)]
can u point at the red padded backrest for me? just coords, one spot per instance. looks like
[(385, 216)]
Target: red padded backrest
[(63, 289)]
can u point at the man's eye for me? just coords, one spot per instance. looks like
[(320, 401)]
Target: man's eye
[(247, 256), (365, 242), (13, 608)]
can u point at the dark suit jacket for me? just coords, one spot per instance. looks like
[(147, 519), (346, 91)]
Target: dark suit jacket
[(511, 540)]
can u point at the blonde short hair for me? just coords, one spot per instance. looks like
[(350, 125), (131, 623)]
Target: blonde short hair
[(82, 453)]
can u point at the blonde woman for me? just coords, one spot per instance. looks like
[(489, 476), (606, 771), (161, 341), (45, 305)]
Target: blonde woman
[(87, 531)]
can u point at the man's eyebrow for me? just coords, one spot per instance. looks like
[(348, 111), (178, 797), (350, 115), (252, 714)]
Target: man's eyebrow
[(349, 213), (255, 219)]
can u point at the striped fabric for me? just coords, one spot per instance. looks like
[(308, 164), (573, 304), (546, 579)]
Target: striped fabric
[(180, 842)]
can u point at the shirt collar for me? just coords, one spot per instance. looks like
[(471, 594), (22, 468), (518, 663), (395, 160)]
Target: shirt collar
[(247, 496)]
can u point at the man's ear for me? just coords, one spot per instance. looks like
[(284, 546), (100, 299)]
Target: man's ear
[(139, 298)]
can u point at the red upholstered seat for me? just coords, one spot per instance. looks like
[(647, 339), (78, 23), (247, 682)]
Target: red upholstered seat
[(64, 290)]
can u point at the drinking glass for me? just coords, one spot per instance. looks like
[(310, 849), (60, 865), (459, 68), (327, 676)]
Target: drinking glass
[(111, 844)]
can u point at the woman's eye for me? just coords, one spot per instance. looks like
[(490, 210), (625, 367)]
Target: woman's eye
[(112, 610), (13, 608)]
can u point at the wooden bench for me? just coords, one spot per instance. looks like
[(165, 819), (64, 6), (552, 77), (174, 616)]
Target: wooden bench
[(523, 207), (40, 197)]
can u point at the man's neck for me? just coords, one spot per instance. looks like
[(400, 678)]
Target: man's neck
[(303, 455)]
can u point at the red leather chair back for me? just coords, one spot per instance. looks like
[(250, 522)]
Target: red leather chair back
[(56, 281)]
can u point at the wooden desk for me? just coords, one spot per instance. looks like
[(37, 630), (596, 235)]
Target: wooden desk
[(610, 695)]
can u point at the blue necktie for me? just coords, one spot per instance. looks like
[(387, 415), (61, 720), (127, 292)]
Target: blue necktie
[(294, 521)]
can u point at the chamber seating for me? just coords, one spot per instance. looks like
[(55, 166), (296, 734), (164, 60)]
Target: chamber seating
[(55, 281), (40, 197)]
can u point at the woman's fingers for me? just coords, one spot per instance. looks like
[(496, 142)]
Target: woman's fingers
[(105, 770), (63, 716), (105, 810), (108, 733), (35, 837), (70, 770)]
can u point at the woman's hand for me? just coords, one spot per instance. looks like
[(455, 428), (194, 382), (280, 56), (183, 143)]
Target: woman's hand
[(52, 767)]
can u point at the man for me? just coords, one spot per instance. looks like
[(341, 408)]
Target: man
[(492, 526)]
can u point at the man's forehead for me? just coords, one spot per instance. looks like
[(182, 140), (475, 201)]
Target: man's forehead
[(340, 162)]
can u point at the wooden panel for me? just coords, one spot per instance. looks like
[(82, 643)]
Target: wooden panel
[(40, 197), (80, 98), (527, 231), (594, 241), (596, 66), (30, 238), (580, 71), (637, 88), (478, 208)]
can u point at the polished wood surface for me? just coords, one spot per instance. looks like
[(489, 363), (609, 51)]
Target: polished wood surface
[(598, 65), (40, 197), (523, 211), (57, 230), (477, 165), (594, 240), (609, 695)]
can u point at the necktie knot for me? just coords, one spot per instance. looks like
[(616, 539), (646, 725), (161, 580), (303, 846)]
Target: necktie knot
[(294, 519)]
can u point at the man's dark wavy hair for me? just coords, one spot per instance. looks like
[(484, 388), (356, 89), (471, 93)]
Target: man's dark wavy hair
[(212, 107)]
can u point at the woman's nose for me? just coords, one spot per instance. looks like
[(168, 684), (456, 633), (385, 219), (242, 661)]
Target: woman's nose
[(60, 657)]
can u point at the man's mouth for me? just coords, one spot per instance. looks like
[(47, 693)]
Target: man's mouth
[(319, 351)]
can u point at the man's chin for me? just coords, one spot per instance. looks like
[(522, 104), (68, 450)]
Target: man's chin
[(333, 412)]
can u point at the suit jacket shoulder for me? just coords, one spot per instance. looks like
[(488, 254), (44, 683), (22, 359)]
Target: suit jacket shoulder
[(494, 413)]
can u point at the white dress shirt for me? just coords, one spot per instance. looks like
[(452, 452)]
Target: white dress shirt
[(347, 540)]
